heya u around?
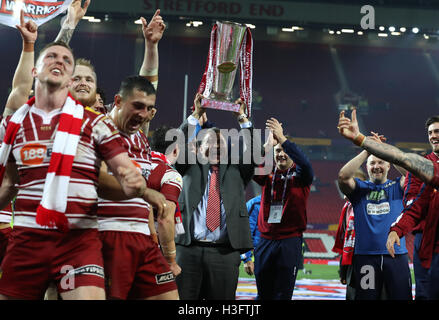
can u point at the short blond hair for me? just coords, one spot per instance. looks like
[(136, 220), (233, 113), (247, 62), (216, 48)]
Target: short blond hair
[(87, 63)]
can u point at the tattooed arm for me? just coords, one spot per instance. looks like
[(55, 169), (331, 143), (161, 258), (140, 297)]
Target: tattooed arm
[(412, 162), (74, 14)]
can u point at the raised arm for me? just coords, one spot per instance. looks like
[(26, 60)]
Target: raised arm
[(152, 32), (251, 145), (346, 175), (75, 13), (23, 80), (412, 162), (290, 148), (401, 170)]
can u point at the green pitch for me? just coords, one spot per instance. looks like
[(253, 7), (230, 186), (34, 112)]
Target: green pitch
[(311, 271)]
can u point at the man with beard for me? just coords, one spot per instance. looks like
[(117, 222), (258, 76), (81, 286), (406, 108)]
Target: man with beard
[(146, 274), (85, 90), (135, 268), (84, 87), (376, 203), (51, 151), (428, 172), (84, 83)]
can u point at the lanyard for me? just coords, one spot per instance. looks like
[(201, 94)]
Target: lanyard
[(285, 185)]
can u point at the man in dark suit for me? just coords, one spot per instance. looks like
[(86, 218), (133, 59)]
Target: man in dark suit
[(213, 208)]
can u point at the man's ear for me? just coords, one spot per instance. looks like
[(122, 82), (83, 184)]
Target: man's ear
[(34, 72), (117, 101)]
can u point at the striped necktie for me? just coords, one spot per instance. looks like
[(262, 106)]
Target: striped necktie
[(213, 211)]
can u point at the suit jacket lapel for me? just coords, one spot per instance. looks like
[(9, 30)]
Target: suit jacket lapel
[(222, 170), (205, 173)]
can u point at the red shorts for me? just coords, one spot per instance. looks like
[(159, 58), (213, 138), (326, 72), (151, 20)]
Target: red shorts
[(4, 235), (35, 257), (134, 266)]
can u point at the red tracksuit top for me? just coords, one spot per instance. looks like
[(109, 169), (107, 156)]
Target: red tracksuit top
[(421, 204), (293, 222)]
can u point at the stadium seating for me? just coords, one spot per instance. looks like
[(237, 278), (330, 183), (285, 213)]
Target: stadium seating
[(399, 86), (325, 204)]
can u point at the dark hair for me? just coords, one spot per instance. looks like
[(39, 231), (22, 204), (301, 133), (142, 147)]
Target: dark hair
[(431, 120), (158, 141), (101, 92), (135, 82), (56, 43)]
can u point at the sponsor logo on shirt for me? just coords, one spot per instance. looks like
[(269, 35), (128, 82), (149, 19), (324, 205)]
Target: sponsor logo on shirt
[(164, 277), (377, 195), (33, 154), (378, 209)]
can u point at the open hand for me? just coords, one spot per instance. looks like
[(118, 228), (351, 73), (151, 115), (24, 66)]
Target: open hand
[(346, 127), (76, 12), (276, 127)]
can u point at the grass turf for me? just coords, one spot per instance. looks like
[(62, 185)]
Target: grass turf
[(312, 271), (317, 271)]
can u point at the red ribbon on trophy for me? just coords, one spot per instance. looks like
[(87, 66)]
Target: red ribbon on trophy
[(229, 43)]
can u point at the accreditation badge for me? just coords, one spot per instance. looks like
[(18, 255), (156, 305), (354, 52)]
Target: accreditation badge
[(275, 213)]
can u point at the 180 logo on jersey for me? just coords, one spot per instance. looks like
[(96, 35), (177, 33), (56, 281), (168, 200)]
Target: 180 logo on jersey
[(33, 154)]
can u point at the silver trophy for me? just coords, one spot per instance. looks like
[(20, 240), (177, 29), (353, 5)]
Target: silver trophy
[(227, 50)]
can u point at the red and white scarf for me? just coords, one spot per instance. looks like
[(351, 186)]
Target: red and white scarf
[(51, 211), (345, 241)]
